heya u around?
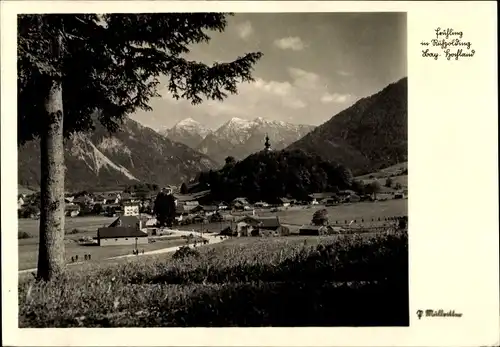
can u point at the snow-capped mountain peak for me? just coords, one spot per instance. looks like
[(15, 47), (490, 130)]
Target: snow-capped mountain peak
[(187, 131)]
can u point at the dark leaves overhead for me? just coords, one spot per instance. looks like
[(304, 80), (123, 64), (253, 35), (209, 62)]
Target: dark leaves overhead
[(111, 65)]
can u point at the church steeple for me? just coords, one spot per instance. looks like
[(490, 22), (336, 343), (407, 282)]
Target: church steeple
[(267, 144)]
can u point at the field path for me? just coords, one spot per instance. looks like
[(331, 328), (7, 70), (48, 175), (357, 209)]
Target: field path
[(212, 239)]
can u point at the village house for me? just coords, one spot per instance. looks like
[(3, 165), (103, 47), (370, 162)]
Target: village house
[(72, 210), (189, 201), (99, 199), (284, 202), (260, 226), (222, 206), (20, 202), (125, 230), (130, 209), (121, 236), (315, 198), (206, 210), (240, 204), (112, 198), (261, 204)]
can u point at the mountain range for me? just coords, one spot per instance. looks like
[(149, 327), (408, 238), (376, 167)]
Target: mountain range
[(104, 160), (369, 135), (237, 137)]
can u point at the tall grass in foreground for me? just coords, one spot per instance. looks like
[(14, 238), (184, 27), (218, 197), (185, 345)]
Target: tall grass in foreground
[(343, 281)]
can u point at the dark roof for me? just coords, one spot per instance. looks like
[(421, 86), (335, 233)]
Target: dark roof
[(311, 227), (263, 222), (321, 195), (269, 222), (209, 208), (119, 232), (126, 221), (191, 196), (130, 204)]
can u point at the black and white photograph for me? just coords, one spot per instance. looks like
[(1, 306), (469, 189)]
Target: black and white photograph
[(212, 170), (243, 169)]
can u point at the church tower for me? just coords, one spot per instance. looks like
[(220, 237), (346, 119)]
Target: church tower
[(267, 144)]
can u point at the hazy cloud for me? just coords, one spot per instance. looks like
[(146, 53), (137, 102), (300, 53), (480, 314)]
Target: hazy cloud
[(294, 43), (344, 73), (245, 30), (335, 98)]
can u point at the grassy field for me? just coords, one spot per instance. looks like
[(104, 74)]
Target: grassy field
[(366, 214), (91, 223), (28, 254), (345, 212), (349, 280)]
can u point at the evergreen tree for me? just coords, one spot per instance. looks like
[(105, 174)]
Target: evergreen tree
[(184, 188), (164, 209), (78, 69)]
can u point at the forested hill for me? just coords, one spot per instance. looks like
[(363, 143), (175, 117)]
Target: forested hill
[(369, 135), (270, 175)]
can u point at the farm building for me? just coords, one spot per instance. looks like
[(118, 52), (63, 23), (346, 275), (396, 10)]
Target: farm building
[(284, 202), (128, 221), (240, 204), (121, 236), (315, 230), (206, 210), (260, 226), (192, 199)]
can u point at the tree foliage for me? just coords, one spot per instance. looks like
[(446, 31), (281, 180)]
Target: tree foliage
[(164, 209), (111, 63), (79, 70), (320, 217), (184, 188)]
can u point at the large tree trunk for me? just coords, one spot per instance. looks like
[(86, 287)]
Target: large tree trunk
[(51, 248)]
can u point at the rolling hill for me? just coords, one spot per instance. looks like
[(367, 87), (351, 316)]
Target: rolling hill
[(369, 135)]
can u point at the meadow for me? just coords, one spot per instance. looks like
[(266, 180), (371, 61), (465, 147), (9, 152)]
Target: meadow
[(28, 253), (366, 214), (362, 212), (347, 280)]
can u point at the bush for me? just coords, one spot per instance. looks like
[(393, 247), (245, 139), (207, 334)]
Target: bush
[(23, 235), (320, 217), (388, 182), (186, 252)]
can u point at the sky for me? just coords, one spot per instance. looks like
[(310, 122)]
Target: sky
[(314, 65)]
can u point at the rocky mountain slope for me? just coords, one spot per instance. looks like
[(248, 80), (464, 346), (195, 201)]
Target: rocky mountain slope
[(187, 131), (103, 160), (369, 135), (240, 138)]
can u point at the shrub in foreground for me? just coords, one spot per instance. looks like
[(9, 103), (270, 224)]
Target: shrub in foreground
[(346, 281)]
